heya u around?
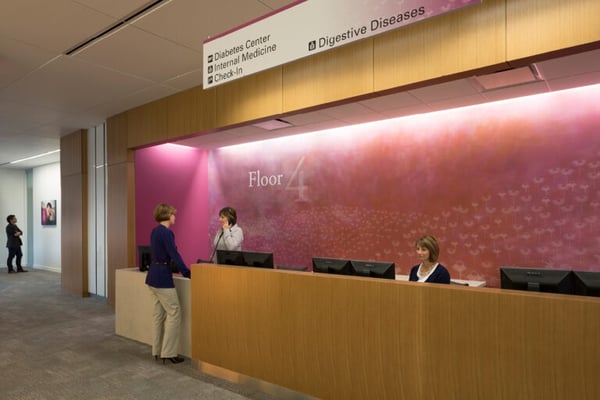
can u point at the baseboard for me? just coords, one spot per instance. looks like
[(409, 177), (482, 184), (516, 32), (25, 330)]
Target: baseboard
[(266, 387), (47, 268)]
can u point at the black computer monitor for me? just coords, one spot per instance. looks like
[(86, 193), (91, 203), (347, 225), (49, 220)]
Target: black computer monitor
[(374, 269), (144, 257), (230, 257), (258, 259), (537, 279), (331, 266), (586, 283)]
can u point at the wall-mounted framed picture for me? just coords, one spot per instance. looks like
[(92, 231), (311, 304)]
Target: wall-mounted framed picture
[(49, 212)]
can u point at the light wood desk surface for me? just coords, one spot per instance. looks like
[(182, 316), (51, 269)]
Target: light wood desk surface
[(461, 281)]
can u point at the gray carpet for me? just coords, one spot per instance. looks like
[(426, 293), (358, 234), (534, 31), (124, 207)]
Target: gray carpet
[(57, 346)]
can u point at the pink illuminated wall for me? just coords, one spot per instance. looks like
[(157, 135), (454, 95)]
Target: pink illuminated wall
[(175, 175), (509, 183)]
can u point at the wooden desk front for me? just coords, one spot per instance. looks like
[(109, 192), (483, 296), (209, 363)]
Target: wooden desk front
[(338, 337)]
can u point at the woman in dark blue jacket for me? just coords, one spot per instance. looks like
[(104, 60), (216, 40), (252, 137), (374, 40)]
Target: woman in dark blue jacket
[(429, 270), (167, 313)]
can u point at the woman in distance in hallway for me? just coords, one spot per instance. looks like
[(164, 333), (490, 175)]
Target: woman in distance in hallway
[(14, 243), (167, 313), (230, 236), (429, 270)]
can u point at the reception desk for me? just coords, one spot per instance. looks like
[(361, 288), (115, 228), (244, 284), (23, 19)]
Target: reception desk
[(342, 337), (133, 308)]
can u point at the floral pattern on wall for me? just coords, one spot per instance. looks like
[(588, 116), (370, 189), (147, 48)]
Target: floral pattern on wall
[(512, 183)]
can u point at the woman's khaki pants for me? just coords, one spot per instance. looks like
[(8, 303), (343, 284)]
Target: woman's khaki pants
[(167, 318)]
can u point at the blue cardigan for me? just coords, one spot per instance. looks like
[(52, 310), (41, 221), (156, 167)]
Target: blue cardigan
[(164, 250), (440, 275)]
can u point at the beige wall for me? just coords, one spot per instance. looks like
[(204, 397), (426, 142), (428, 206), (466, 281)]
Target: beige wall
[(490, 36)]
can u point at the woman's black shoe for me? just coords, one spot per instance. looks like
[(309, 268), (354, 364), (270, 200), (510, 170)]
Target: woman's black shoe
[(174, 360), (155, 358)]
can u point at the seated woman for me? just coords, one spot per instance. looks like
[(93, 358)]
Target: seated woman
[(429, 270)]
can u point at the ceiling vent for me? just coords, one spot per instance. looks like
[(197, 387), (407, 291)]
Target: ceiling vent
[(273, 124), (508, 78), (78, 47)]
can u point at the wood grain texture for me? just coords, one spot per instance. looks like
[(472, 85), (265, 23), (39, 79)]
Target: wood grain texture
[(468, 39), (73, 153), (120, 244), (116, 139), (73, 211), (254, 97), (329, 76), (120, 190), (337, 337), (191, 111), (147, 124), (540, 26)]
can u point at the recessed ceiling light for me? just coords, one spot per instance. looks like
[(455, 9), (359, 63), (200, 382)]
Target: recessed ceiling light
[(34, 157)]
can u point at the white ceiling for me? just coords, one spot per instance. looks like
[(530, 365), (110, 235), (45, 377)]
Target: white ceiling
[(45, 93)]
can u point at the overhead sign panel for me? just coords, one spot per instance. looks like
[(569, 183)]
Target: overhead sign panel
[(307, 27)]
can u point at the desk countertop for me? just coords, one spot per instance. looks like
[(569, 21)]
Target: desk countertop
[(462, 281)]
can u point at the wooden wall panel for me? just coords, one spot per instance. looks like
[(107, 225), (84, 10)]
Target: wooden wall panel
[(468, 39), (130, 185), (183, 113), (329, 76), (120, 216), (116, 139), (508, 345), (254, 97), (338, 337), (74, 265), (147, 124), (540, 26), (72, 154), (552, 346), (73, 211), (191, 111), (120, 224), (304, 333), (207, 104)]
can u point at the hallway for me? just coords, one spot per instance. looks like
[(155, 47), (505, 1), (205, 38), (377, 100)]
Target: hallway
[(57, 346)]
